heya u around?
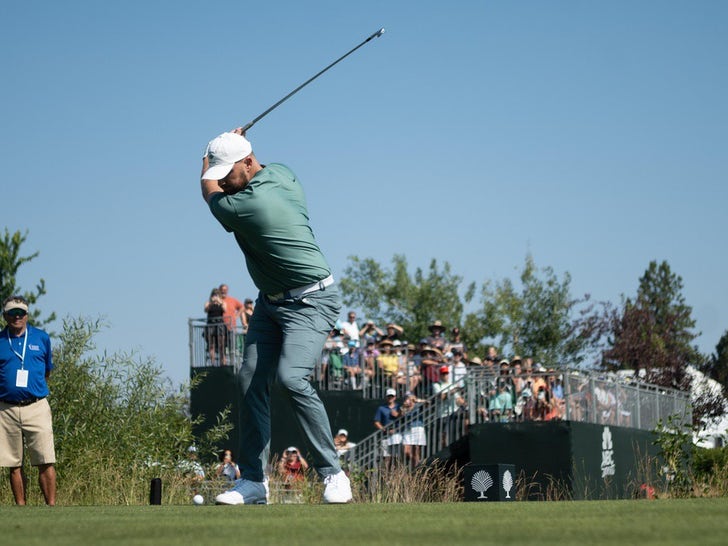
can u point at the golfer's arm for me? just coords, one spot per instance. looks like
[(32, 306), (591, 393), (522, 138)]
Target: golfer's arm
[(209, 187)]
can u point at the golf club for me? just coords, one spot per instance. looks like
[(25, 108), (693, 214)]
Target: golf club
[(304, 84)]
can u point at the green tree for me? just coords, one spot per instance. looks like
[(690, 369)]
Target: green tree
[(655, 331), (412, 301), (10, 262), (536, 319), (716, 367)]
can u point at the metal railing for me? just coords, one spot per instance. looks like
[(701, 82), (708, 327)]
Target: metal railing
[(214, 344), (484, 396), (477, 395)]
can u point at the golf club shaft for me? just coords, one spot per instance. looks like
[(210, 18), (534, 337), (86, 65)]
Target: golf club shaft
[(304, 84)]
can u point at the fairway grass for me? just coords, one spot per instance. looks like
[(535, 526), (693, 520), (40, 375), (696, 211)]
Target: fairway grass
[(591, 523)]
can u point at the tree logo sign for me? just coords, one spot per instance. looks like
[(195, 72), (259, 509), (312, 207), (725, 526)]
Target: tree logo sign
[(608, 467), (481, 482)]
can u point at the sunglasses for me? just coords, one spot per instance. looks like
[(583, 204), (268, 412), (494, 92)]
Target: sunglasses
[(16, 313)]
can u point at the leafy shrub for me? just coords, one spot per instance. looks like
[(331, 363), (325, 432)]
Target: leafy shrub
[(118, 422)]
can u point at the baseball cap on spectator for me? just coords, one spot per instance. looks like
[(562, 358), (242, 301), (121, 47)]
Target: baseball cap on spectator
[(444, 369), (515, 359), (504, 361), (476, 360), (223, 152), (390, 392), (342, 431), (423, 341), (352, 343), (397, 343), (292, 449)]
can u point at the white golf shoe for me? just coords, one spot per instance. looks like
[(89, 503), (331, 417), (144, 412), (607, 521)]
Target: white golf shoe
[(338, 488), (244, 492)]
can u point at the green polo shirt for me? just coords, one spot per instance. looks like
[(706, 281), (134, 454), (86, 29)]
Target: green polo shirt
[(270, 221)]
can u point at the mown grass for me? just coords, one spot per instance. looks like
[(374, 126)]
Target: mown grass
[(664, 522)]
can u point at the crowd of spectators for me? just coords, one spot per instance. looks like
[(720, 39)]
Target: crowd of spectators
[(379, 359)]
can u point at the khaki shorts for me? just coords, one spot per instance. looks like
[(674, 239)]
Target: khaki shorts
[(30, 425)]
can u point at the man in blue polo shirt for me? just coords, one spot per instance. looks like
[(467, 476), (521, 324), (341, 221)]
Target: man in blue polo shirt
[(25, 416), (298, 304)]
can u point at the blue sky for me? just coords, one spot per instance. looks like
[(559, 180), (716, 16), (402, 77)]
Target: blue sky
[(589, 134)]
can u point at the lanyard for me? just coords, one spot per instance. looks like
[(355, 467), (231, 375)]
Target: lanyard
[(25, 344)]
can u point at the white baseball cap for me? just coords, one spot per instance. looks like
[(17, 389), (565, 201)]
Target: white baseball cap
[(342, 431), (390, 392), (223, 152)]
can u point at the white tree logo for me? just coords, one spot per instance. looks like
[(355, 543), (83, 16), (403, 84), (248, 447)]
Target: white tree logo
[(481, 482), (507, 483)]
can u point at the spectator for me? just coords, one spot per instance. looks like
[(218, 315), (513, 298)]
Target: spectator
[(502, 404), (431, 359), (459, 370), (516, 378), (527, 365), (414, 438), (456, 343), (556, 392), (332, 363), (414, 374), (227, 468), (543, 402), (436, 338), (292, 467), (387, 363), (352, 365), (606, 403), (247, 313), (191, 467), (370, 332), (370, 356), (447, 391), (342, 443), (475, 362), (26, 424), (350, 328), (505, 378), (386, 414), (215, 331), (492, 355), (394, 332), (401, 378), (233, 309), (539, 385), (525, 405)]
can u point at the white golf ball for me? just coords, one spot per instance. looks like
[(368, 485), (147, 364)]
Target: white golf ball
[(198, 499)]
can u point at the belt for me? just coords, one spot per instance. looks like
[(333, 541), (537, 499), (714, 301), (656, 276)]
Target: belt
[(302, 290), (26, 402)]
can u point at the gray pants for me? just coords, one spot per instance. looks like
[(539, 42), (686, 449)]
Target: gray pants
[(284, 343)]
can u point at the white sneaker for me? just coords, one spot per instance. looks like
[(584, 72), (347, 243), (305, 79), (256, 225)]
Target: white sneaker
[(338, 488), (244, 492)]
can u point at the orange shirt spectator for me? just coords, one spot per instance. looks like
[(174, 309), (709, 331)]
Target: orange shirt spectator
[(233, 308)]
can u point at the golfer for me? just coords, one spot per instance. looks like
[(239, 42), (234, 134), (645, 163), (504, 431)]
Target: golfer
[(25, 416), (298, 304)]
